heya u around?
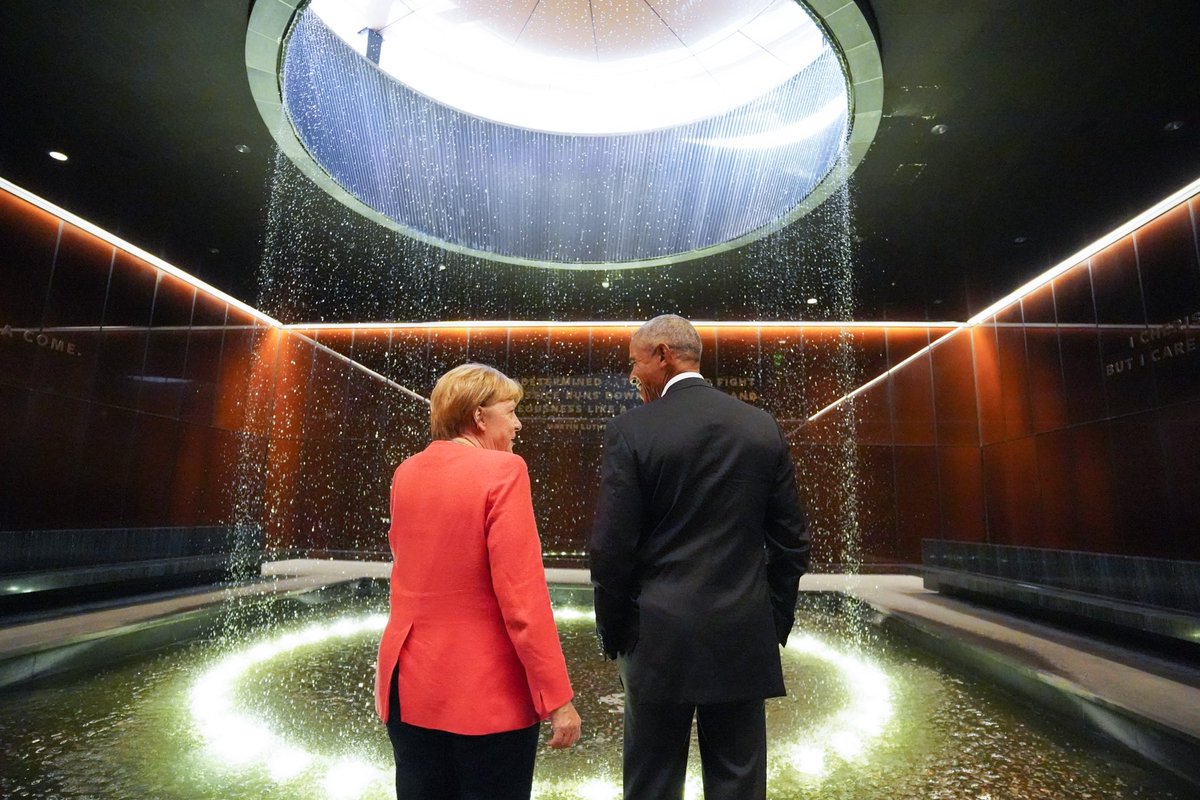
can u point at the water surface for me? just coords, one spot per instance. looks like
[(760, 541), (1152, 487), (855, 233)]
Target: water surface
[(128, 731)]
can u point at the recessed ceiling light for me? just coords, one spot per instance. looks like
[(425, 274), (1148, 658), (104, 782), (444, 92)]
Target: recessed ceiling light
[(939, 129), (57, 156), (242, 148), (605, 283), (812, 301), (1173, 125)]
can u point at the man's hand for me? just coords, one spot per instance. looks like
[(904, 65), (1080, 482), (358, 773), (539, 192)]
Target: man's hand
[(564, 727)]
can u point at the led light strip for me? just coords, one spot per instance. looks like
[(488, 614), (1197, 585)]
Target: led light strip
[(133, 250), (520, 324), (236, 739), (360, 367), (1113, 236), (163, 266)]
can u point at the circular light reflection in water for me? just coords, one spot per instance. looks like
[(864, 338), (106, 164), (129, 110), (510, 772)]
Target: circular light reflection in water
[(238, 740)]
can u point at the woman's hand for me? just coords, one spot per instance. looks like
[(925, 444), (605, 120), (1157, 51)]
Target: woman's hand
[(564, 727)]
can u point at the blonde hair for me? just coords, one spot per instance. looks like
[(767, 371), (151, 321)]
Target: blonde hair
[(460, 391)]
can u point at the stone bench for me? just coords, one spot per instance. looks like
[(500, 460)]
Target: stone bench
[(45, 567), (1151, 595)]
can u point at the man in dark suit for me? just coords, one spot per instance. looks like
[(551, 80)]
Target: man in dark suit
[(698, 546)]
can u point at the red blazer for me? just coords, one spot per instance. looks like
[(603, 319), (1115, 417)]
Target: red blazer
[(470, 625)]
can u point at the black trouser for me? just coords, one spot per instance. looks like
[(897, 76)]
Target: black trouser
[(733, 749), (438, 765)]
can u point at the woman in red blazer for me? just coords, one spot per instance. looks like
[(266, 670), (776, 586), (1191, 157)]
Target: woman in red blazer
[(470, 660)]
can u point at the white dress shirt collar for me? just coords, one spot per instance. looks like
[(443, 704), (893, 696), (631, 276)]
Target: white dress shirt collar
[(679, 377)]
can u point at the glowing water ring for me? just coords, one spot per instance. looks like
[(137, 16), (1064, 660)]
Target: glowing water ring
[(237, 739)]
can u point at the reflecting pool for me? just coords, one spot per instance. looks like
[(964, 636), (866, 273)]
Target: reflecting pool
[(287, 711)]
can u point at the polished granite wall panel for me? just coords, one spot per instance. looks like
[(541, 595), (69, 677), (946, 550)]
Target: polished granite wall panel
[(1144, 492), (1041, 380), (1074, 463), (905, 341), (191, 411), (92, 372), (99, 355), (1169, 269), (874, 423), (878, 544), (1169, 266), (956, 411), (280, 399), (961, 494), (1083, 373), (832, 366), (1079, 345), (1179, 431), (1012, 491), (1047, 386), (1120, 308), (985, 354), (918, 487), (1087, 402), (576, 377), (78, 283), (132, 400), (913, 413), (1016, 403), (333, 434), (201, 375), (28, 241), (355, 505)]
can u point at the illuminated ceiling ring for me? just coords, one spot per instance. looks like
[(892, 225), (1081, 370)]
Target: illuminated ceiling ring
[(683, 192), (239, 740)]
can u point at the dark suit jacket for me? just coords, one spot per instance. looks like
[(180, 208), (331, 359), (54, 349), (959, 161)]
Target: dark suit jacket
[(698, 545)]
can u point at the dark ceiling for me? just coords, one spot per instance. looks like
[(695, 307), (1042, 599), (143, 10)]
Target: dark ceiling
[(1062, 120)]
